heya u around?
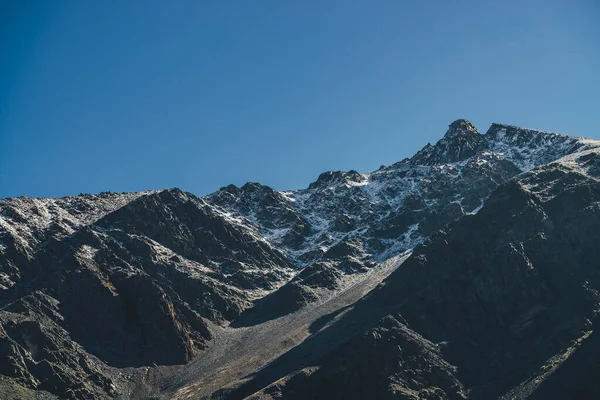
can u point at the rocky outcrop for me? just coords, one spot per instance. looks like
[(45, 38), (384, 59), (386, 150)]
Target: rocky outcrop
[(389, 361), (461, 141), (528, 148), (38, 352)]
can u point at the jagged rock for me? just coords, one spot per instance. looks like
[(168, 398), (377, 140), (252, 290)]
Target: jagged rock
[(38, 352), (332, 178), (461, 141), (320, 275), (344, 223), (528, 148), (389, 361), (575, 376)]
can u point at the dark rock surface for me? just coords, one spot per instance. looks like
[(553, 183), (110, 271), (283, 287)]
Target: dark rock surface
[(389, 361), (38, 352), (576, 377), (461, 141)]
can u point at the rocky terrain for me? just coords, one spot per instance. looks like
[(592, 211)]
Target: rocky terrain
[(468, 271)]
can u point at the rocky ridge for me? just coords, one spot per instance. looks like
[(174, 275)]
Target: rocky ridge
[(396, 207)]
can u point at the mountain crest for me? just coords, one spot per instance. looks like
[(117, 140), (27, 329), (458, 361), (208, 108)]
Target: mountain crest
[(336, 177), (461, 127), (461, 141), (528, 148)]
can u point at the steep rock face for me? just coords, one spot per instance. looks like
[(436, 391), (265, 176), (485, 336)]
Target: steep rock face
[(37, 352), (267, 208), (389, 361), (461, 141), (195, 230), (576, 377), (314, 282), (158, 265), (25, 223)]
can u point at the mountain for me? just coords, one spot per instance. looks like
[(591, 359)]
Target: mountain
[(395, 208), (467, 271)]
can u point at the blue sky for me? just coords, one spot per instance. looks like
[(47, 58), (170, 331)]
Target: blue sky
[(134, 95)]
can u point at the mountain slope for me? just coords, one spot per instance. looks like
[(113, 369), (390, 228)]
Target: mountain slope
[(488, 241), (506, 295), (134, 288)]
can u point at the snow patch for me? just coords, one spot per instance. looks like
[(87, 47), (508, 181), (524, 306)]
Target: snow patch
[(86, 252)]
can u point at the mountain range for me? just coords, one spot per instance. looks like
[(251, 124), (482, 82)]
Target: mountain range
[(467, 271)]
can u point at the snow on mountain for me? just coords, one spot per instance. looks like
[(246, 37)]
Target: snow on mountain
[(167, 273), (26, 223), (31, 220), (528, 148), (390, 210), (396, 207)]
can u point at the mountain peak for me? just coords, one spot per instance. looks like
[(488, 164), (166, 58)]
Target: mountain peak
[(462, 126), (461, 141), (332, 177)]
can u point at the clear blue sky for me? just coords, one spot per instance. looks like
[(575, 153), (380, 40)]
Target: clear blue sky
[(133, 95)]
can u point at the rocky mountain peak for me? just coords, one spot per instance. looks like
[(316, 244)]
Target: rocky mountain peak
[(461, 126), (335, 177), (461, 141)]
